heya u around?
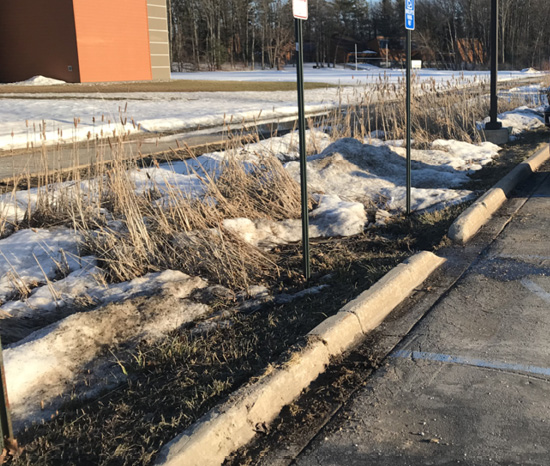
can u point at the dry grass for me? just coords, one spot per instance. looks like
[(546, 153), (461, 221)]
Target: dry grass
[(132, 233), (447, 110), (263, 190)]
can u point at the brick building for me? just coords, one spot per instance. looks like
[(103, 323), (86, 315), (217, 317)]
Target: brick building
[(84, 40)]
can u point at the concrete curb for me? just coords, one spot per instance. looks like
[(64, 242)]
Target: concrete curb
[(233, 424), (472, 219)]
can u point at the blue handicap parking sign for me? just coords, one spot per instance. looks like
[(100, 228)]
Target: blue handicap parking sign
[(409, 14)]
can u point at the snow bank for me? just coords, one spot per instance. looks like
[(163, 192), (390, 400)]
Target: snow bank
[(84, 284), (528, 89), (166, 182), (519, 120), (376, 173), (39, 81), (286, 147), (14, 206), (64, 292), (460, 155)]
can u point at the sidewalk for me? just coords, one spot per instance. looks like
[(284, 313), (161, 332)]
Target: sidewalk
[(470, 384)]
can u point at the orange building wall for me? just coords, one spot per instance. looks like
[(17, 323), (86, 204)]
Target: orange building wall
[(37, 37), (113, 40)]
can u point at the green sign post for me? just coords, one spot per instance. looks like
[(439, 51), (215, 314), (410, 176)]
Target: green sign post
[(409, 26), (300, 12), (7, 441)]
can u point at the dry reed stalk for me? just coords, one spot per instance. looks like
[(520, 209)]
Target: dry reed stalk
[(447, 110), (261, 189), (186, 233)]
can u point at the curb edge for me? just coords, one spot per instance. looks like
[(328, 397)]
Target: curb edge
[(234, 423), (472, 219)]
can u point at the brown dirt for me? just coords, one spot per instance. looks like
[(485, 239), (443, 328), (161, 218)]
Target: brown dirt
[(161, 86)]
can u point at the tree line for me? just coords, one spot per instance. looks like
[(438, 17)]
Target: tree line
[(213, 34)]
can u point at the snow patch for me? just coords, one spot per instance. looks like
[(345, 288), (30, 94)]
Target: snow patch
[(35, 256), (39, 81), (333, 217), (376, 174), (521, 119)]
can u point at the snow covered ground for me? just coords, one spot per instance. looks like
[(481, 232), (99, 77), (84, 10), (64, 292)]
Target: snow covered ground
[(366, 74), (51, 118), (42, 271)]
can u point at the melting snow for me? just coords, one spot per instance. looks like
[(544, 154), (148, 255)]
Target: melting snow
[(39, 81), (376, 173), (332, 217), (43, 367), (29, 258)]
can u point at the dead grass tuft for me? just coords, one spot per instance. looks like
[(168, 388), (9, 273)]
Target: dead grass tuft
[(261, 189), (447, 110)]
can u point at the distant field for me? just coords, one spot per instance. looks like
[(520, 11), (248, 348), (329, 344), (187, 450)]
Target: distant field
[(172, 86)]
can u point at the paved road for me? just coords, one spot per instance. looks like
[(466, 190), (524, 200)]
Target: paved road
[(470, 384), (68, 156)]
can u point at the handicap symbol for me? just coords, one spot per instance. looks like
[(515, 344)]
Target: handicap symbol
[(409, 5)]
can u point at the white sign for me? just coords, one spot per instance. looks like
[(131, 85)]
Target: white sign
[(409, 14), (299, 9)]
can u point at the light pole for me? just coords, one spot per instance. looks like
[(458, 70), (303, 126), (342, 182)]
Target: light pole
[(493, 123)]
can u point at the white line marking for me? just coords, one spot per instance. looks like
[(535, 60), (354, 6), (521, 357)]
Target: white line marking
[(536, 289), (465, 361)]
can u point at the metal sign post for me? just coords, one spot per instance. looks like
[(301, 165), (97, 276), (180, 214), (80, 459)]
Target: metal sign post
[(409, 25), (7, 441), (300, 12)]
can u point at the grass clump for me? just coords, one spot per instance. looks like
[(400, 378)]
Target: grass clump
[(184, 233), (134, 231)]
